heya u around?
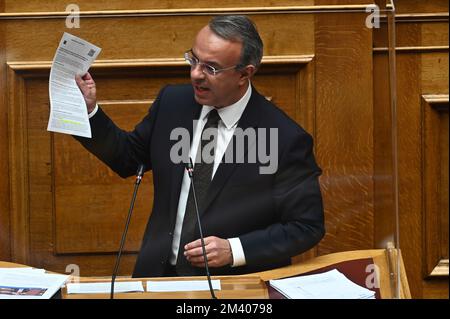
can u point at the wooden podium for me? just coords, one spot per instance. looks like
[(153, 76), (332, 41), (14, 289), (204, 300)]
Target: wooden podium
[(232, 287), (356, 265)]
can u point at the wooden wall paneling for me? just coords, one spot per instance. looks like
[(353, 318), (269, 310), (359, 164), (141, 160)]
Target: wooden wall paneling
[(434, 82), (416, 32), (419, 70), (423, 44), (15, 7), (144, 38), (422, 68), (384, 200), (435, 288), (84, 184), (435, 66), (409, 166), (5, 247), (418, 35), (104, 5), (384, 227), (63, 230), (435, 182), (306, 116), (414, 6), (342, 3), (40, 170), (434, 72), (435, 33), (425, 34), (306, 112), (344, 129), (18, 168), (57, 239)]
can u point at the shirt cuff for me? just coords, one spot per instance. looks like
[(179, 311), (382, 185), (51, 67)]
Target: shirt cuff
[(237, 251), (94, 111)]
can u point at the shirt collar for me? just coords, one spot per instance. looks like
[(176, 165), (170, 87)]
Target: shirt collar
[(231, 114)]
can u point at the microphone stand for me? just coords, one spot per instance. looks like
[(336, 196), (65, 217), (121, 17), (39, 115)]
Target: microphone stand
[(190, 170), (139, 175)]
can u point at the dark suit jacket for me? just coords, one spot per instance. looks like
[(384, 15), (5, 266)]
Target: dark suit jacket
[(276, 216)]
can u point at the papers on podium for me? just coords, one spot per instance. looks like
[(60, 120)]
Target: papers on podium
[(136, 286), (104, 287), (29, 283), (182, 285), (328, 285), (68, 111)]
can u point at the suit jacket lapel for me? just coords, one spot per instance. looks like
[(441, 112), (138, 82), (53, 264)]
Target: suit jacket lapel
[(249, 118)]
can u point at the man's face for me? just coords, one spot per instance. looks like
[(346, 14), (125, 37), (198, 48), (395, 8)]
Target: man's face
[(224, 88)]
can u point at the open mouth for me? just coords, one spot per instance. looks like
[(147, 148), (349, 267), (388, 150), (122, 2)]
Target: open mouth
[(200, 89)]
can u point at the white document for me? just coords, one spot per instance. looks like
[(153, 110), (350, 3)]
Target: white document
[(21, 270), (29, 284), (181, 285), (68, 111), (104, 287), (328, 285)]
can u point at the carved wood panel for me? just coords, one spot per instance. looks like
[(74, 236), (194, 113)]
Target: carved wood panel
[(435, 182)]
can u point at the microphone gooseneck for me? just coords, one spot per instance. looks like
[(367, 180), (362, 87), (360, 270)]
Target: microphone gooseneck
[(139, 175), (190, 170)]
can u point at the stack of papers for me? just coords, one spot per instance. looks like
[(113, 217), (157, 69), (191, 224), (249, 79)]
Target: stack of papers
[(328, 285), (29, 283)]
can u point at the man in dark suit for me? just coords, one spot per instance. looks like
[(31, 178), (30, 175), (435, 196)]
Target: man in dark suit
[(255, 213)]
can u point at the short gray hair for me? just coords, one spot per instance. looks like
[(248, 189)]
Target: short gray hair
[(242, 29)]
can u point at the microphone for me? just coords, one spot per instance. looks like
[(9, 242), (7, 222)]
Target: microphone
[(190, 170), (139, 175)]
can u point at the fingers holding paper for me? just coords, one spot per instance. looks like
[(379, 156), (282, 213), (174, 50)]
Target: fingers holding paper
[(218, 252), (87, 87)]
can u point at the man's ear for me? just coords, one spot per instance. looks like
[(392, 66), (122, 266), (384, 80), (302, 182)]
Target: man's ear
[(247, 73)]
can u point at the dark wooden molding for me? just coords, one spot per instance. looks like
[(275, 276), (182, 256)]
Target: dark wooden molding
[(433, 108)]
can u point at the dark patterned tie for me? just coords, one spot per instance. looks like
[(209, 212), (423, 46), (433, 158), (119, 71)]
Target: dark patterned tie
[(202, 175)]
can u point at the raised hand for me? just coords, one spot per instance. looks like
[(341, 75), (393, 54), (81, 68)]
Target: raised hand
[(88, 89)]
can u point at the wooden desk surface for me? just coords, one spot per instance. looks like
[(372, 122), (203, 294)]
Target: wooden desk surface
[(252, 286)]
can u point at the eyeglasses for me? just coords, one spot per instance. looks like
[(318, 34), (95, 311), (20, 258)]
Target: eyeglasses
[(206, 68)]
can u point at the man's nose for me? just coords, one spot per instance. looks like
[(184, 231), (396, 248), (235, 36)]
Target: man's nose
[(197, 72)]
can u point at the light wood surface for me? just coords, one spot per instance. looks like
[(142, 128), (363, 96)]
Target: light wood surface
[(252, 285)]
